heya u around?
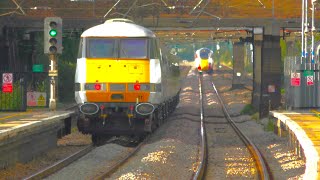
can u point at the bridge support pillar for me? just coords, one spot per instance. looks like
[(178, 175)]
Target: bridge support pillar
[(238, 65), (267, 69)]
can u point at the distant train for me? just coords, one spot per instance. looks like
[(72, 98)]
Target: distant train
[(203, 60), (124, 84)]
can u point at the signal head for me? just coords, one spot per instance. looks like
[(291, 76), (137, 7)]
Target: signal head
[(52, 35), (53, 24), (53, 41), (53, 32)]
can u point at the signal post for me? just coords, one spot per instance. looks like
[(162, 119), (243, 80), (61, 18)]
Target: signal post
[(52, 47)]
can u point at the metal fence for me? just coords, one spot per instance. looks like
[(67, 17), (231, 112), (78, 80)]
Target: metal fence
[(301, 80), (13, 91), (13, 95)]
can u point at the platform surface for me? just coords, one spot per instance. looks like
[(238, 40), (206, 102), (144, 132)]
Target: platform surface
[(305, 124), (12, 123)]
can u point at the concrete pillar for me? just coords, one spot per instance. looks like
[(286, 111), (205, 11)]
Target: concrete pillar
[(238, 65), (292, 49), (257, 64), (267, 69)]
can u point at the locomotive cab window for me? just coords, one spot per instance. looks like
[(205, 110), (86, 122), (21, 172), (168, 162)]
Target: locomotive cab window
[(133, 48), (154, 49), (101, 48), (80, 50), (204, 53)]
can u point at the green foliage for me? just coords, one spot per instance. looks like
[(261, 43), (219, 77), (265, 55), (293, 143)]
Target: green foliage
[(40, 86), (317, 37), (248, 69), (270, 126), (282, 91), (255, 116), (298, 47), (248, 109), (40, 57), (66, 81), (226, 58), (11, 101), (66, 68), (283, 46), (70, 49)]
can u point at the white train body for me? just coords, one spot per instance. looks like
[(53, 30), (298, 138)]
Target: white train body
[(121, 70)]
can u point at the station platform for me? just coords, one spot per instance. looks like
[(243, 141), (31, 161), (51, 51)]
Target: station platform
[(34, 116), (24, 135), (302, 127)]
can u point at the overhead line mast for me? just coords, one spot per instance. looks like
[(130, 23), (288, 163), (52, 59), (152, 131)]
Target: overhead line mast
[(302, 32)]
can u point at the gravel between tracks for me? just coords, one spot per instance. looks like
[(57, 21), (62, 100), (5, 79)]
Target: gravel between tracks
[(172, 151), (283, 163)]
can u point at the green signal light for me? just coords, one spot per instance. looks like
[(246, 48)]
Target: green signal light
[(53, 33)]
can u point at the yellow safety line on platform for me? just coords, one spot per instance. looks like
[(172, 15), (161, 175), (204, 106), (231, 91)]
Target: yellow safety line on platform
[(19, 114)]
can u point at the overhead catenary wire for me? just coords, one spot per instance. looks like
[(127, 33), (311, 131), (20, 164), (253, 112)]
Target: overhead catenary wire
[(15, 11), (133, 5), (111, 8), (195, 7), (18, 6)]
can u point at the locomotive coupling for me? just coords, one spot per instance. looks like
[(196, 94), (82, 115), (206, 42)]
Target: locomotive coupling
[(144, 108)]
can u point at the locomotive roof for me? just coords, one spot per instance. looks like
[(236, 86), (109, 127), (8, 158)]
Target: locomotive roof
[(118, 29)]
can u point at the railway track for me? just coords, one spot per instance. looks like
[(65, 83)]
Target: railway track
[(109, 171), (218, 140), (226, 72), (60, 164), (133, 159), (54, 171)]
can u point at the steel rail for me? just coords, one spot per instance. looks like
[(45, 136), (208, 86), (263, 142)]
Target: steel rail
[(60, 164), (199, 174), (117, 165), (263, 170)]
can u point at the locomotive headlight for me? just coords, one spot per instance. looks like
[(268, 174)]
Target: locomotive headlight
[(94, 86), (89, 108), (144, 108)]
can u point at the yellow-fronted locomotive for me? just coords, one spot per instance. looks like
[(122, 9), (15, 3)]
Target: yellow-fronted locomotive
[(203, 60), (124, 85)]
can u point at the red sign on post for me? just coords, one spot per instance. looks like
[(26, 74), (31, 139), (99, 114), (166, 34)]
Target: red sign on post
[(295, 79), (310, 80), (7, 78), (7, 88)]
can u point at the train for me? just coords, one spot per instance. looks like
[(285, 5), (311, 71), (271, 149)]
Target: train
[(203, 60), (125, 84)]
